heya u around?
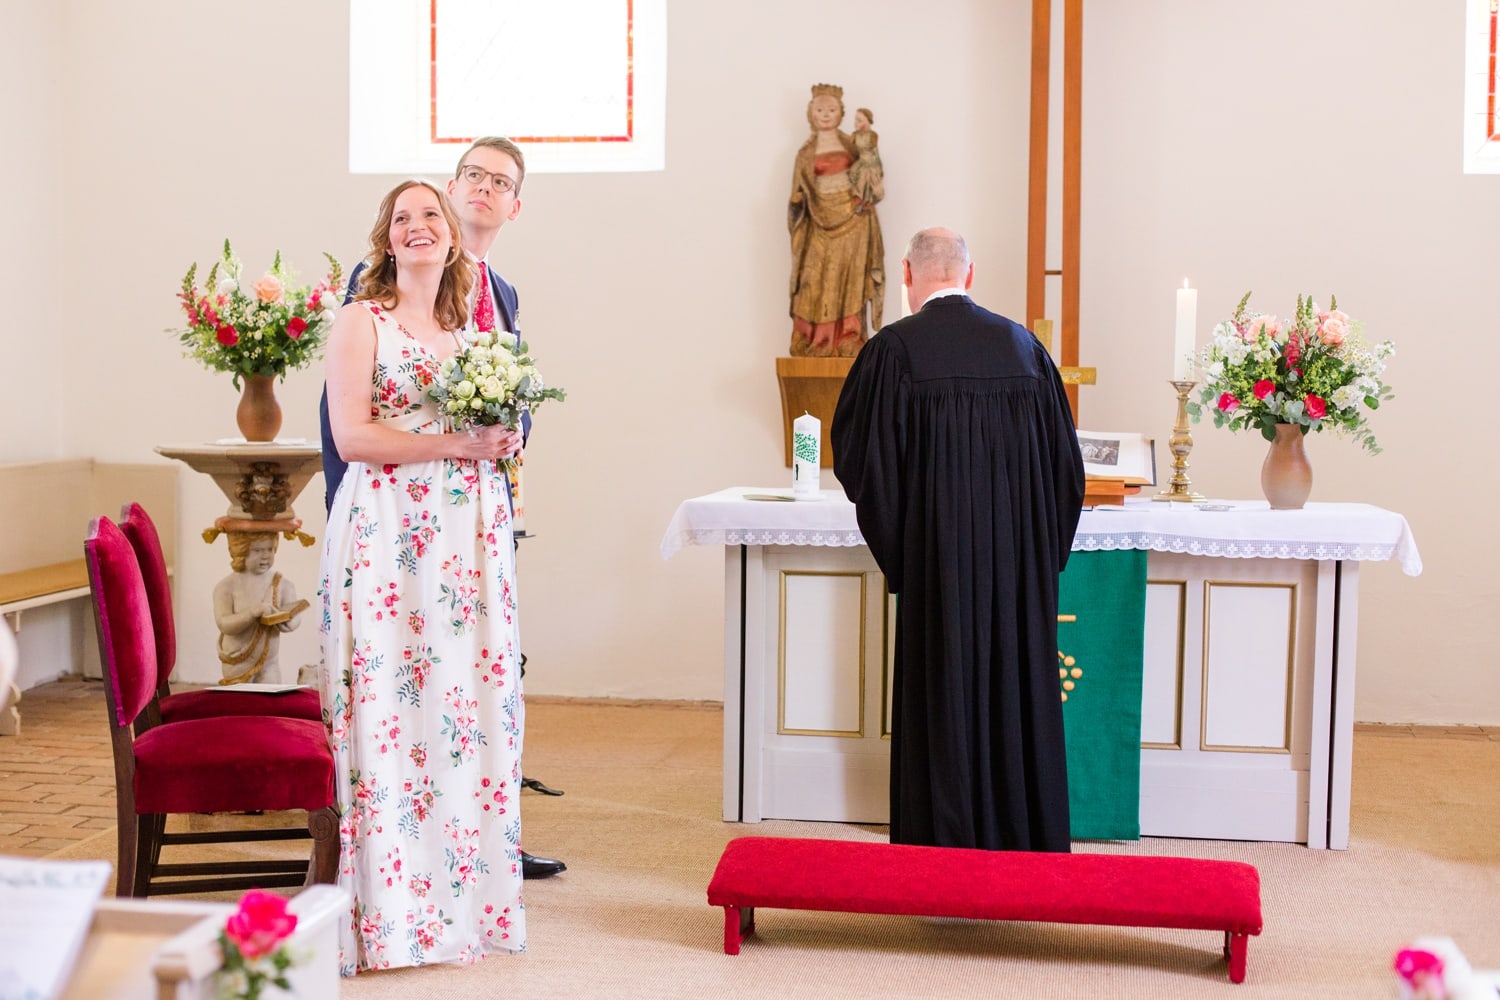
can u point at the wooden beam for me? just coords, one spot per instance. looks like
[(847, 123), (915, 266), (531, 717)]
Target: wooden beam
[(1071, 199), (1036, 212)]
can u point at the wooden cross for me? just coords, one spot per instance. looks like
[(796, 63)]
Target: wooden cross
[(1072, 375)]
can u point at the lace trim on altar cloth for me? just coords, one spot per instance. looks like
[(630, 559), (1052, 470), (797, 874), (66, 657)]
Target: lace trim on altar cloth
[(1226, 548), (752, 536), (1233, 548)]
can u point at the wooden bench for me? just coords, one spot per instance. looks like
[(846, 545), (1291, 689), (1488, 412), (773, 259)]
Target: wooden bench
[(1115, 889), (44, 510)]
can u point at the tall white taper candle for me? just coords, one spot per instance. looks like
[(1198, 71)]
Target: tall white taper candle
[(1186, 337)]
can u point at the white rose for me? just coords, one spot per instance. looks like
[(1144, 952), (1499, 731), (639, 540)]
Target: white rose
[(513, 376), (228, 286)]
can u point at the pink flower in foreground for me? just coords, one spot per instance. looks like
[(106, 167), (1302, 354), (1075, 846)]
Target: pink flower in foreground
[(1317, 408), (260, 924), (295, 327), (1419, 967), (1264, 388), (268, 288), (227, 335), (1228, 403)]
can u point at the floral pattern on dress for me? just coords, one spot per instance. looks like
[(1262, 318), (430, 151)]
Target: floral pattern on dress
[(422, 692)]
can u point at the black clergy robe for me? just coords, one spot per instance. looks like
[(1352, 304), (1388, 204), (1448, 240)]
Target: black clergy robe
[(954, 439)]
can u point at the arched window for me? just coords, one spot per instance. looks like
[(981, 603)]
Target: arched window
[(581, 86), (1481, 115)]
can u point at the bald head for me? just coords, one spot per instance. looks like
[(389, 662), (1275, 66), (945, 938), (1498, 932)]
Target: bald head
[(936, 258), (938, 254)]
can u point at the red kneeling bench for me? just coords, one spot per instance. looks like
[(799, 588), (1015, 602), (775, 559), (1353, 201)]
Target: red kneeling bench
[(1123, 890)]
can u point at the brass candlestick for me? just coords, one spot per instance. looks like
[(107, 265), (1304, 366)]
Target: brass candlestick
[(1181, 442)]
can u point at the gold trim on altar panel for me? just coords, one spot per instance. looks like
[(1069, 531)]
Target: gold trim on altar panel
[(888, 657), (1181, 665), (781, 728), (1291, 660)]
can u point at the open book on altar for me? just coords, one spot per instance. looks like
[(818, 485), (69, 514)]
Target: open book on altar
[(1116, 462)]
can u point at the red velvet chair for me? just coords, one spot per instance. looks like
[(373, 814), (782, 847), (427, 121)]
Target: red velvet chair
[(304, 704), (230, 764)]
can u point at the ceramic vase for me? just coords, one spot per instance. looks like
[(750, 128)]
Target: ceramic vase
[(259, 414), (1286, 475)]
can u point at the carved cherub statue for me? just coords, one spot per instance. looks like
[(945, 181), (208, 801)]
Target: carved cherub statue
[(252, 606)]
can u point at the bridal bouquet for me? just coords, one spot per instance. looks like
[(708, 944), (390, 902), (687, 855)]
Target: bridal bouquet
[(264, 329), (254, 956), (1313, 369), (493, 380)]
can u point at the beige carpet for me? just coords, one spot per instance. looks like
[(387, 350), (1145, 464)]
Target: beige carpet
[(640, 831)]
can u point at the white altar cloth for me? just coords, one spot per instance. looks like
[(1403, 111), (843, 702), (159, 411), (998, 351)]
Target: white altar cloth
[(1238, 529)]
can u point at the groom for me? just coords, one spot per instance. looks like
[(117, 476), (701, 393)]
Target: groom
[(486, 194)]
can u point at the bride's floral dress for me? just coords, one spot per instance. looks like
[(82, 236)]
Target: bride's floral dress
[(422, 691)]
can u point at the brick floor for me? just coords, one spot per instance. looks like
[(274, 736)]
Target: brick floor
[(57, 783), (57, 778)]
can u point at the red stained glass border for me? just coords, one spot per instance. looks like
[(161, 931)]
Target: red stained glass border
[(629, 134), (1489, 117)]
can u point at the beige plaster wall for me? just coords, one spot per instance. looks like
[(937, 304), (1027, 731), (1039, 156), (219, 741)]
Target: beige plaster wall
[(34, 323), (1272, 148)]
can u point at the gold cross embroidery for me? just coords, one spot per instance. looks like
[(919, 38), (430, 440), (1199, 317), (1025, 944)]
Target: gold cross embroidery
[(1068, 671)]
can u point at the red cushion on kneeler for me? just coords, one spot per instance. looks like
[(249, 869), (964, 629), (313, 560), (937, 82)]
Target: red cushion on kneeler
[(185, 705), (1119, 889), (233, 764)]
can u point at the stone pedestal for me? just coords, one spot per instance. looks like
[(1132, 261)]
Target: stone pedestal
[(260, 480)]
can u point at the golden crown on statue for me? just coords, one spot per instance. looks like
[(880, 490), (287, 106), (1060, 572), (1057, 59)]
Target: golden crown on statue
[(827, 90)]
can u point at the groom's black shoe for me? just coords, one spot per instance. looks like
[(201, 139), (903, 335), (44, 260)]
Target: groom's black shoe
[(534, 867)]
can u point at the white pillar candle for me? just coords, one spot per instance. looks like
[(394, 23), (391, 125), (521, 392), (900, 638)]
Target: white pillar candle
[(1183, 342), (807, 453)]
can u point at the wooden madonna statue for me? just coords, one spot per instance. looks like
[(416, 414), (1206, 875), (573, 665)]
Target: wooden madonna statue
[(837, 289)]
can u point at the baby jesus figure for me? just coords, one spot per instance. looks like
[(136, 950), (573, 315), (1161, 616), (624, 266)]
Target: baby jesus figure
[(867, 174), (252, 607)]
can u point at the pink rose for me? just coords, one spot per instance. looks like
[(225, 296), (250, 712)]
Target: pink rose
[(1264, 388), (1316, 407), (1269, 325), (268, 288), (1228, 403), (260, 924), (1333, 331), (1417, 966), (295, 326), (1338, 314), (227, 335)]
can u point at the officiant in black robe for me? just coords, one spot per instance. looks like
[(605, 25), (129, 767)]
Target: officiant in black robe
[(954, 439)]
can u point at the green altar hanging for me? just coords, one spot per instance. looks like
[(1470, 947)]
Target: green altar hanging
[(1101, 640)]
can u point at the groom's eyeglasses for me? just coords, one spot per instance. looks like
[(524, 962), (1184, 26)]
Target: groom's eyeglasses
[(476, 175)]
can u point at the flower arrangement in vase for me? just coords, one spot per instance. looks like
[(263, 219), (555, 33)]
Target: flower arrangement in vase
[(1313, 371), (1287, 377), (257, 333)]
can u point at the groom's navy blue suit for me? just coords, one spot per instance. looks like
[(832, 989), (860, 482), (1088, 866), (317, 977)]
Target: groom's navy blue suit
[(333, 465)]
